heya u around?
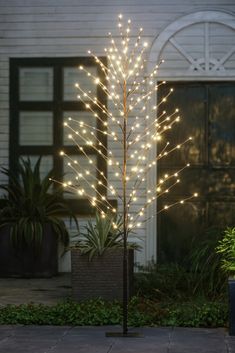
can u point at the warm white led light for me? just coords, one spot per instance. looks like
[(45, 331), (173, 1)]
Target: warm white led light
[(133, 127)]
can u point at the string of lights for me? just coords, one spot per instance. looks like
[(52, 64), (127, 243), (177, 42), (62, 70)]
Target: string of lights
[(130, 130)]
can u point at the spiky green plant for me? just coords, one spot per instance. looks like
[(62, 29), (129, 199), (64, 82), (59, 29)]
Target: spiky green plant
[(101, 235), (30, 205), (208, 278)]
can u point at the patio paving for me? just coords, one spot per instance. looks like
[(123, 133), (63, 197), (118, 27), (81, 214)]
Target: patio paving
[(47, 291), (52, 339), (56, 339)]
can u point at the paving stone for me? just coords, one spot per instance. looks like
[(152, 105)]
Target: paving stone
[(5, 332), (54, 339), (129, 345), (230, 341), (88, 347), (152, 341), (197, 340), (35, 290)]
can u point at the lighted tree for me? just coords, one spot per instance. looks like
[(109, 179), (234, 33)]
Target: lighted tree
[(132, 130)]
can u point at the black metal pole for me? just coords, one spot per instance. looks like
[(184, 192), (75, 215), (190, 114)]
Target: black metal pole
[(125, 228), (125, 259), (125, 284)]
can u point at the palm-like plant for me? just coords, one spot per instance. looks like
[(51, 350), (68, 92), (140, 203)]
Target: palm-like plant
[(101, 235), (31, 204), (208, 279)]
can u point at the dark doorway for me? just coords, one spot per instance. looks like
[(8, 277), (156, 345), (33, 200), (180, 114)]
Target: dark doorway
[(208, 114)]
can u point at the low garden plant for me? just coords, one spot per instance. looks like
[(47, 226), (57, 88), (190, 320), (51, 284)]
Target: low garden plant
[(165, 295), (209, 278), (142, 312), (226, 248), (198, 276), (100, 235), (31, 205)]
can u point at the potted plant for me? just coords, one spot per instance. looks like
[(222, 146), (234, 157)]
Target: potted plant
[(226, 247), (30, 223), (97, 260)]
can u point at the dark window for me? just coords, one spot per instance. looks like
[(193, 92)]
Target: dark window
[(42, 96), (208, 114)]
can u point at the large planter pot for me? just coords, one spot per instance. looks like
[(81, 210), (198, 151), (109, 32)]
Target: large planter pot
[(231, 289), (102, 277), (27, 262)]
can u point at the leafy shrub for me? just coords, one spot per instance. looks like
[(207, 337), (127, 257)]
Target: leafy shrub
[(207, 314), (201, 276), (208, 278), (162, 281), (226, 250), (142, 312)]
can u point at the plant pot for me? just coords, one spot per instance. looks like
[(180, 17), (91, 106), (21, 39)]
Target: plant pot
[(231, 291), (102, 277), (28, 261)]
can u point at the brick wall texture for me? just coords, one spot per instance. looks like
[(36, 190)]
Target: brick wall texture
[(101, 277)]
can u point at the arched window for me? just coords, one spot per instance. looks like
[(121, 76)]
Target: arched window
[(200, 45)]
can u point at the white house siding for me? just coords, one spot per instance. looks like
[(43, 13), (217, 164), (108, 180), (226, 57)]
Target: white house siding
[(56, 28)]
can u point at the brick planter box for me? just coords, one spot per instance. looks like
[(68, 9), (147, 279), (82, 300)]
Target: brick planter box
[(101, 277)]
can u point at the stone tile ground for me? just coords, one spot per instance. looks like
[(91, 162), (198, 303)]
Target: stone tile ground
[(43, 290), (52, 339)]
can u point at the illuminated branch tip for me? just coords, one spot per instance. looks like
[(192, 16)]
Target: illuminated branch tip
[(132, 127)]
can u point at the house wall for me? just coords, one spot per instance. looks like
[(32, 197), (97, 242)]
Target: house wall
[(56, 28)]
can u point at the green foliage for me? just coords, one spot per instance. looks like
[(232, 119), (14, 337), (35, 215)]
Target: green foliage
[(204, 278), (142, 312), (195, 313), (102, 235), (200, 276), (162, 281), (201, 314), (226, 248), (30, 205), (208, 279)]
